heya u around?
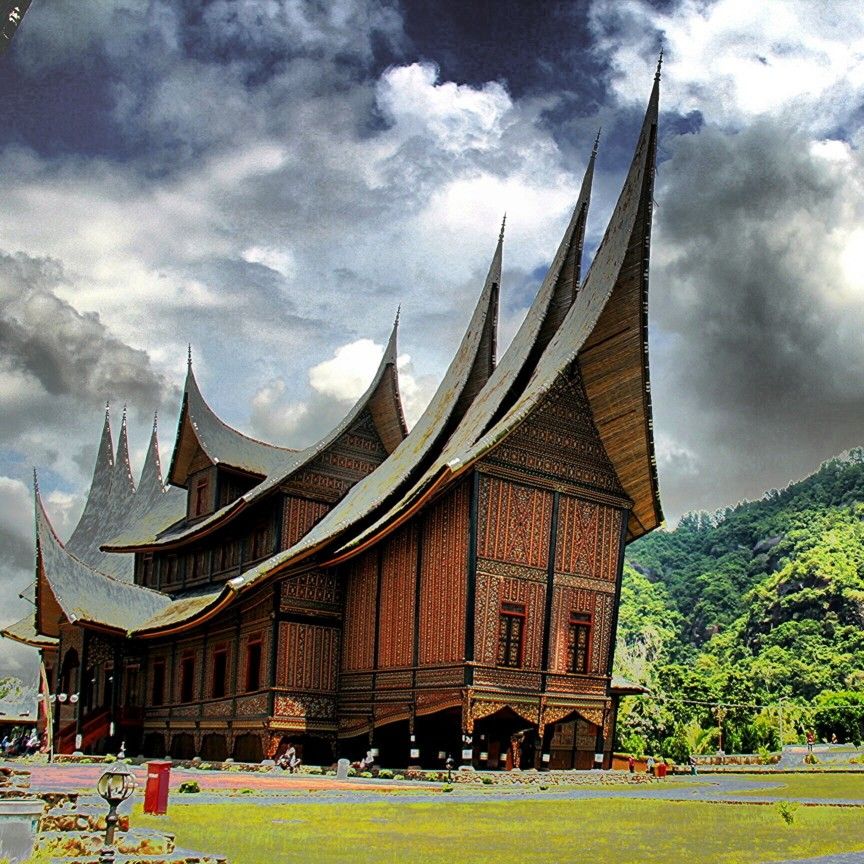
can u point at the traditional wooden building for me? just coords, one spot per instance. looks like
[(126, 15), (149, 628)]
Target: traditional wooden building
[(448, 590)]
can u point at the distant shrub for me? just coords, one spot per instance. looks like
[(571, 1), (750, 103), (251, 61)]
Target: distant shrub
[(189, 787), (385, 774), (487, 781), (787, 810), (108, 758), (366, 774)]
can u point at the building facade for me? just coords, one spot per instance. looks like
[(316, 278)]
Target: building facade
[(452, 590)]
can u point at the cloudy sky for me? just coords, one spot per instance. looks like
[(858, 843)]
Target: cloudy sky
[(270, 179)]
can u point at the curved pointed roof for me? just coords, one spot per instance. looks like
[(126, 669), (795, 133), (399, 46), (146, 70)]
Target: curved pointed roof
[(67, 585), (464, 379), (200, 427), (545, 315), (156, 528), (606, 334), (85, 534), (24, 631)]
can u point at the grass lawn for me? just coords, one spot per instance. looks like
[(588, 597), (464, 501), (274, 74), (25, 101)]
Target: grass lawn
[(507, 832), (810, 785)]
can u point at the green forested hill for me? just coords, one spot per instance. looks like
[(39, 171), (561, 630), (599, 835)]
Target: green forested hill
[(741, 608)]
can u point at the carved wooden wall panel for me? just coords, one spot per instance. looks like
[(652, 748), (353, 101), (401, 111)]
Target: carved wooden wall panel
[(588, 538), (494, 588), (311, 591), (599, 605), (308, 654), (443, 580), (560, 442), (396, 617), (356, 453), (514, 522), (361, 581), (300, 515)]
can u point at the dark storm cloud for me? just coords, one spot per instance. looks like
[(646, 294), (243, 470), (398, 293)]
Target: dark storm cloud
[(66, 351), (758, 350)]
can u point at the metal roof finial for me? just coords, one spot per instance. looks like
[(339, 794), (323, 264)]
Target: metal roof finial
[(189, 356), (659, 65), (596, 142), (35, 481), (155, 419), (503, 223), (398, 312)]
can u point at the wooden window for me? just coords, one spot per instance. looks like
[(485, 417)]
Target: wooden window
[(199, 565), (157, 697), (253, 663), (262, 542), (172, 569), (511, 627), (187, 678), (579, 642), (220, 672), (201, 496), (147, 568)]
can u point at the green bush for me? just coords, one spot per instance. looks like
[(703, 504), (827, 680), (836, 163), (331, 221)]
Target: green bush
[(108, 758), (487, 781), (189, 787), (385, 774), (352, 772), (446, 788), (398, 776), (366, 774), (787, 810)]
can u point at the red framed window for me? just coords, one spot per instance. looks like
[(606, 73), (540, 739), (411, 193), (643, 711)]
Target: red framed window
[(157, 696), (220, 672), (253, 663), (187, 678), (579, 642), (511, 629)]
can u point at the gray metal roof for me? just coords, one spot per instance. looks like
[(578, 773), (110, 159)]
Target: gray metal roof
[(465, 377), (25, 632), (551, 304), (83, 594), (164, 526)]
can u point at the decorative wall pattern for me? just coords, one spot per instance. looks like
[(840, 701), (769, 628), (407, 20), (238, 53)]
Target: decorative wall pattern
[(443, 581), (313, 590), (493, 590), (599, 606), (305, 706), (358, 452), (588, 538), (513, 522), (560, 442), (396, 610), (308, 654), (359, 618), (300, 515)]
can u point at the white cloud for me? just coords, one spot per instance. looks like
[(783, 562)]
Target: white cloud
[(454, 116), (734, 60)]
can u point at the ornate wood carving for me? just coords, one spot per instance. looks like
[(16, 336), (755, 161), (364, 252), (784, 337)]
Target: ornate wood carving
[(302, 705), (588, 538), (314, 590), (560, 442), (308, 655), (514, 523), (300, 515), (359, 617), (444, 578), (396, 613)]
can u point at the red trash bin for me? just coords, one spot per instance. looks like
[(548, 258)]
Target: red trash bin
[(661, 769), (156, 790)]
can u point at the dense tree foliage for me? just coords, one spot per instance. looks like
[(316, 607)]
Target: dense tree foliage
[(748, 621)]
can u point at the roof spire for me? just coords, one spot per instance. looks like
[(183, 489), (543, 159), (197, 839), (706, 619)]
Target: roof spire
[(596, 142), (189, 356), (398, 310), (501, 233), (155, 420), (659, 64), (35, 481)]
